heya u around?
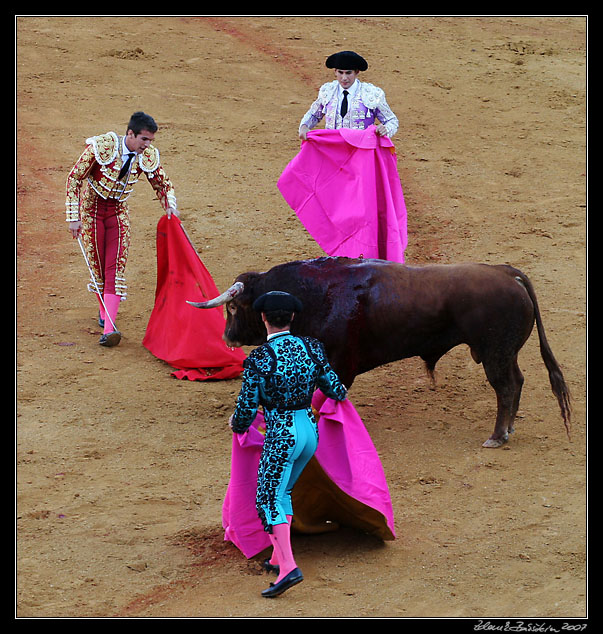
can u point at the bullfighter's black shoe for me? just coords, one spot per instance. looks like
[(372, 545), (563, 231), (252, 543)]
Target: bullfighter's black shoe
[(266, 565), (293, 578), (110, 339)]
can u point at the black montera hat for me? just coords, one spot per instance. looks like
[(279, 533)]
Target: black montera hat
[(277, 300), (346, 60)]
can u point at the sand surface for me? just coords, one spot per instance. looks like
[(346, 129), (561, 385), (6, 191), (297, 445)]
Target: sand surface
[(122, 469)]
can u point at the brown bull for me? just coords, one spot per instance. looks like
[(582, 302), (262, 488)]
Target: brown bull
[(371, 312)]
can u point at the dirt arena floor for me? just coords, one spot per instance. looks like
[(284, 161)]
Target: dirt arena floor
[(121, 469)]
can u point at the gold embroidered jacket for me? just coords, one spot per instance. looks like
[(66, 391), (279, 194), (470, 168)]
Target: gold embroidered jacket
[(99, 167)]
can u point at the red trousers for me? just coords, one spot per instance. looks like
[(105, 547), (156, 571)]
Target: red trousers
[(107, 234)]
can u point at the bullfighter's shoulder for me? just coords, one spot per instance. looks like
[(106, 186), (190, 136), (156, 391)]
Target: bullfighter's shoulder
[(316, 349), (261, 360), (149, 159), (105, 147)]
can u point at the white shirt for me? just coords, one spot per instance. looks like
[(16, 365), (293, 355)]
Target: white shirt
[(125, 151), (275, 334), (352, 90)]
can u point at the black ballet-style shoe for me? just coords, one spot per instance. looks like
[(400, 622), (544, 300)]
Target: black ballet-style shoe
[(110, 339), (268, 567), (293, 578)]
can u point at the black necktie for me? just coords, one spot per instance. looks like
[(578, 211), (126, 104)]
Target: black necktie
[(344, 104), (124, 169)]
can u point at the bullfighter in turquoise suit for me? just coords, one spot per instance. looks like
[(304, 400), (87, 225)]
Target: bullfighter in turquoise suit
[(281, 376)]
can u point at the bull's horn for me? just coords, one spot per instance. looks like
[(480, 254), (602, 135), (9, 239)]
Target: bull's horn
[(227, 296)]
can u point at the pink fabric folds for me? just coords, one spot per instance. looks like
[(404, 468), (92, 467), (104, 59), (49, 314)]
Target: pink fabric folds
[(240, 520), (345, 454), (348, 456), (345, 189), (187, 338)]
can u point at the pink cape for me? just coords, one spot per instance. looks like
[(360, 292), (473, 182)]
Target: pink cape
[(185, 337), (345, 189), (343, 483)]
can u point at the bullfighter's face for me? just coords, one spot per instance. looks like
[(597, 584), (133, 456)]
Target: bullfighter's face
[(346, 77), (139, 142)]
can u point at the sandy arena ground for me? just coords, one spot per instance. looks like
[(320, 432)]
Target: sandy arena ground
[(121, 469)]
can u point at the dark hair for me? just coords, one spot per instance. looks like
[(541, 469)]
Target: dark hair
[(140, 121), (279, 318)]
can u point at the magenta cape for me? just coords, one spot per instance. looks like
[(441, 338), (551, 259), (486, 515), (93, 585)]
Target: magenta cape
[(343, 484), (345, 189), (187, 338)]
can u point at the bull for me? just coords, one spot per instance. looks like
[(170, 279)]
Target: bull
[(369, 313)]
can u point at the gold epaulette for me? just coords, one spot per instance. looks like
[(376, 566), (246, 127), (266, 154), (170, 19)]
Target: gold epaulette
[(149, 159), (105, 147)]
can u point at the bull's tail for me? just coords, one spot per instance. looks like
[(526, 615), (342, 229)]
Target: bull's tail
[(558, 384)]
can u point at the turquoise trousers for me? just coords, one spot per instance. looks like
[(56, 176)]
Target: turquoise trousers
[(288, 447)]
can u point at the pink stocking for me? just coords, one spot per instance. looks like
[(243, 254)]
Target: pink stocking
[(112, 304), (274, 558), (281, 536), (101, 308)]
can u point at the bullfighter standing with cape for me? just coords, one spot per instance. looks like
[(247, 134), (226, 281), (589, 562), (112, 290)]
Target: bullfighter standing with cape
[(343, 184), (98, 187), (282, 375)]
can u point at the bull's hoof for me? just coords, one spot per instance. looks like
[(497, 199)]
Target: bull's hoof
[(493, 443)]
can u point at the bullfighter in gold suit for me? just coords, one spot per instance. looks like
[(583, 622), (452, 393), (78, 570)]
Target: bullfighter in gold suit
[(98, 187)]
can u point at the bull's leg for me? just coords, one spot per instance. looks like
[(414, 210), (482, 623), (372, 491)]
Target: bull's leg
[(507, 381), (518, 388)]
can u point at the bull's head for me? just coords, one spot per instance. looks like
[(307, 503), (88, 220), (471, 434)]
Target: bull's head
[(244, 326)]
